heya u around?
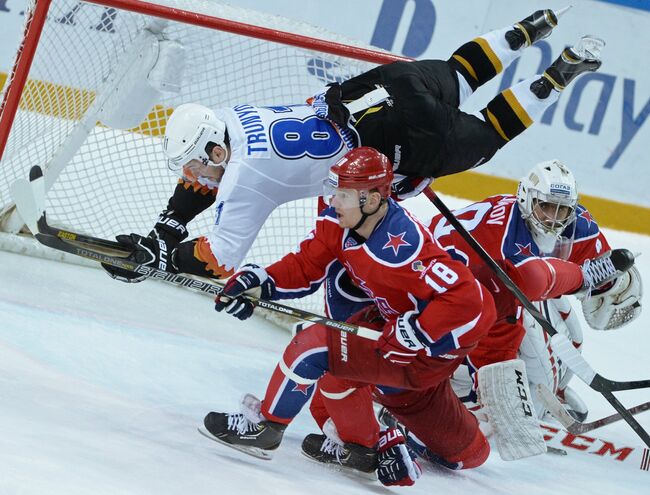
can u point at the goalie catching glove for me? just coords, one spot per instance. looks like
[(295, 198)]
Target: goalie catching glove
[(154, 250), (598, 272), (251, 279), (396, 467), (616, 306)]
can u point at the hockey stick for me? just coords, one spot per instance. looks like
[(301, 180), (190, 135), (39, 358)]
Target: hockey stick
[(77, 244), (559, 412), (112, 253), (560, 344)]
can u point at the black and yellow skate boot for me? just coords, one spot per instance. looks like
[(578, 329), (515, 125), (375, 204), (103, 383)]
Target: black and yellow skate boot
[(535, 27), (583, 57)]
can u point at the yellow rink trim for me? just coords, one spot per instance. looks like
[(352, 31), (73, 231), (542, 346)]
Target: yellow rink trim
[(471, 185), (71, 103), (613, 214)]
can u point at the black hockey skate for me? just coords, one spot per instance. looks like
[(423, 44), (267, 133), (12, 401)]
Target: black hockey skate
[(237, 431), (535, 27), (583, 57), (600, 271), (351, 456)]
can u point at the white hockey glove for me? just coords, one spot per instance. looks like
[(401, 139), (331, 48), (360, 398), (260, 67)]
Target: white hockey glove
[(396, 466), (617, 306), (233, 298)]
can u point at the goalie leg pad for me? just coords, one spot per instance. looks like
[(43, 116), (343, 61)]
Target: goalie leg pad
[(505, 396), (540, 364)]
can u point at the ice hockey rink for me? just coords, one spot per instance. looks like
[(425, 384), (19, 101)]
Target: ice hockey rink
[(103, 384)]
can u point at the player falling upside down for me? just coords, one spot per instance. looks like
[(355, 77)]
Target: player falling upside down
[(420, 127), (428, 307), (241, 159)]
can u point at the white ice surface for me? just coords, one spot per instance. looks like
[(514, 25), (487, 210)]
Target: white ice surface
[(103, 384)]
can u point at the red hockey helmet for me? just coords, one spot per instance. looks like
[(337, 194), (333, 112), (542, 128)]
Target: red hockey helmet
[(363, 168)]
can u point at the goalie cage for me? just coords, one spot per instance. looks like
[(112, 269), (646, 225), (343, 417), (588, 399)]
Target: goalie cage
[(72, 84)]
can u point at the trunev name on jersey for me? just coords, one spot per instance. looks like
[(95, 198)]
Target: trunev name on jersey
[(251, 122)]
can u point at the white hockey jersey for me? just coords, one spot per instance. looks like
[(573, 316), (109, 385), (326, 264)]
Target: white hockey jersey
[(278, 154)]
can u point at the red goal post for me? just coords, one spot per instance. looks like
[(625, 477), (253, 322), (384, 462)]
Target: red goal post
[(67, 87)]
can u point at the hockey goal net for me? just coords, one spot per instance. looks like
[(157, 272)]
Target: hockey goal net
[(69, 106)]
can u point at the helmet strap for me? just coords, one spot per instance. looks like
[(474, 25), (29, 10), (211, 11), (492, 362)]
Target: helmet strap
[(364, 215)]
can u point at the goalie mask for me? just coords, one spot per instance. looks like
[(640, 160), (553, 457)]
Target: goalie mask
[(547, 199), (190, 135)]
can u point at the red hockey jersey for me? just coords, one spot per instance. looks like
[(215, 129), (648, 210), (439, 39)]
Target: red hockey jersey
[(401, 268), (496, 223)]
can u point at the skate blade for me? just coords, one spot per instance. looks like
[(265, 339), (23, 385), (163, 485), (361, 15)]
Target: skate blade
[(555, 451), (344, 469), (560, 12), (266, 455)]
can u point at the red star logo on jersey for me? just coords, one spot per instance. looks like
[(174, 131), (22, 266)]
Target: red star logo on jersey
[(395, 242), (302, 387), (524, 250), (587, 216)]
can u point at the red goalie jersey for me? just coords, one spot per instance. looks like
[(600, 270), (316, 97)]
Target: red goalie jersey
[(497, 224)]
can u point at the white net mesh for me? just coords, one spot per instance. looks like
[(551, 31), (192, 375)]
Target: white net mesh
[(116, 181)]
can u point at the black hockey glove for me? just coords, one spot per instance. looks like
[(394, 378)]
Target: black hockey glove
[(149, 251), (170, 228), (233, 298), (409, 187), (337, 112)]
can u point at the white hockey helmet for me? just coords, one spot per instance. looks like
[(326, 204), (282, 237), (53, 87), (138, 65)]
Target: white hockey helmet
[(189, 129), (547, 198)]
